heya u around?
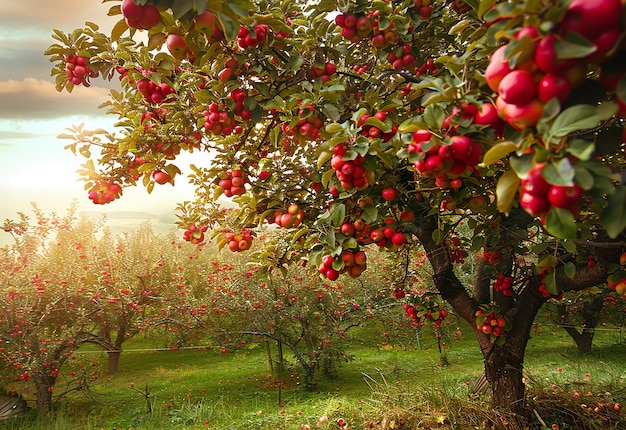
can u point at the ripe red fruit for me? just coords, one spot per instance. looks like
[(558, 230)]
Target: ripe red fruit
[(523, 116), (407, 216), (547, 58), (497, 69), (161, 177), (205, 22), (398, 239), (565, 197), (550, 86), (536, 206), (591, 17), (517, 87), (534, 183), (389, 194), (462, 147)]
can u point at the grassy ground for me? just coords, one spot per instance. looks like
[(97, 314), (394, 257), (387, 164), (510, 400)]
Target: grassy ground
[(385, 386)]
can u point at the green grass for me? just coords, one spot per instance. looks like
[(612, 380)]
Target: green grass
[(204, 389)]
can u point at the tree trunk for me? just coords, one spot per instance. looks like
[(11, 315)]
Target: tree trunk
[(504, 374), (270, 360), (45, 387), (114, 360)]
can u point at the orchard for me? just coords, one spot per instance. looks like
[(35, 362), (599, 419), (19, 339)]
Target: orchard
[(387, 124)]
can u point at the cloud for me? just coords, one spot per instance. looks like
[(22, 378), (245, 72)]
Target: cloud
[(36, 18), (33, 98)]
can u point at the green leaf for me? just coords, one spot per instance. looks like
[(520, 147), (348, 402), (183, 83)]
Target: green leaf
[(323, 158), (498, 151), (337, 214), (581, 149), (573, 47), (569, 269), (506, 189), (118, 29), (327, 176), (560, 173), (547, 261), (575, 118), (438, 236), (412, 124), (560, 223), (484, 7), (334, 128), (613, 217), (551, 285)]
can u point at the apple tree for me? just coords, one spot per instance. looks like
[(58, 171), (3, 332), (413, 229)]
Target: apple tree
[(47, 309), (360, 124)]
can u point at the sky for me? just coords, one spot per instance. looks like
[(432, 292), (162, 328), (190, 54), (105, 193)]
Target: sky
[(34, 166)]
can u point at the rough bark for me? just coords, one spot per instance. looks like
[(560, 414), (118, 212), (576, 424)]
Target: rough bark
[(113, 361), (45, 386)]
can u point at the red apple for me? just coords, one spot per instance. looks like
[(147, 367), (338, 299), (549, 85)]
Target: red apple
[(517, 87), (547, 58), (591, 17), (497, 69), (550, 86), (205, 22), (565, 197), (522, 116), (389, 194)]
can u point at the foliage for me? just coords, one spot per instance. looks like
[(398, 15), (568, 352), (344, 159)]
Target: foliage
[(378, 124)]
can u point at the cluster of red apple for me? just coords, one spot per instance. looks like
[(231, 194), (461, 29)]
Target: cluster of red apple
[(503, 284), (195, 234), (451, 160), (153, 92), (354, 27), (247, 38), (402, 58), (324, 73), (133, 167), (219, 122), (142, 17), (387, 237), (525, 88), (351, 173), (78, 70), (308, 126), (287, 218), (492, 257), (457, 253), (352, 262), (426, 308), (537, 196), (543, 289), (239, 96), (238, 242), (424, 8), (104, 192), (357, 27), (373, 131), (230, 66), (234, 182), (617, 279), (490, 322)]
